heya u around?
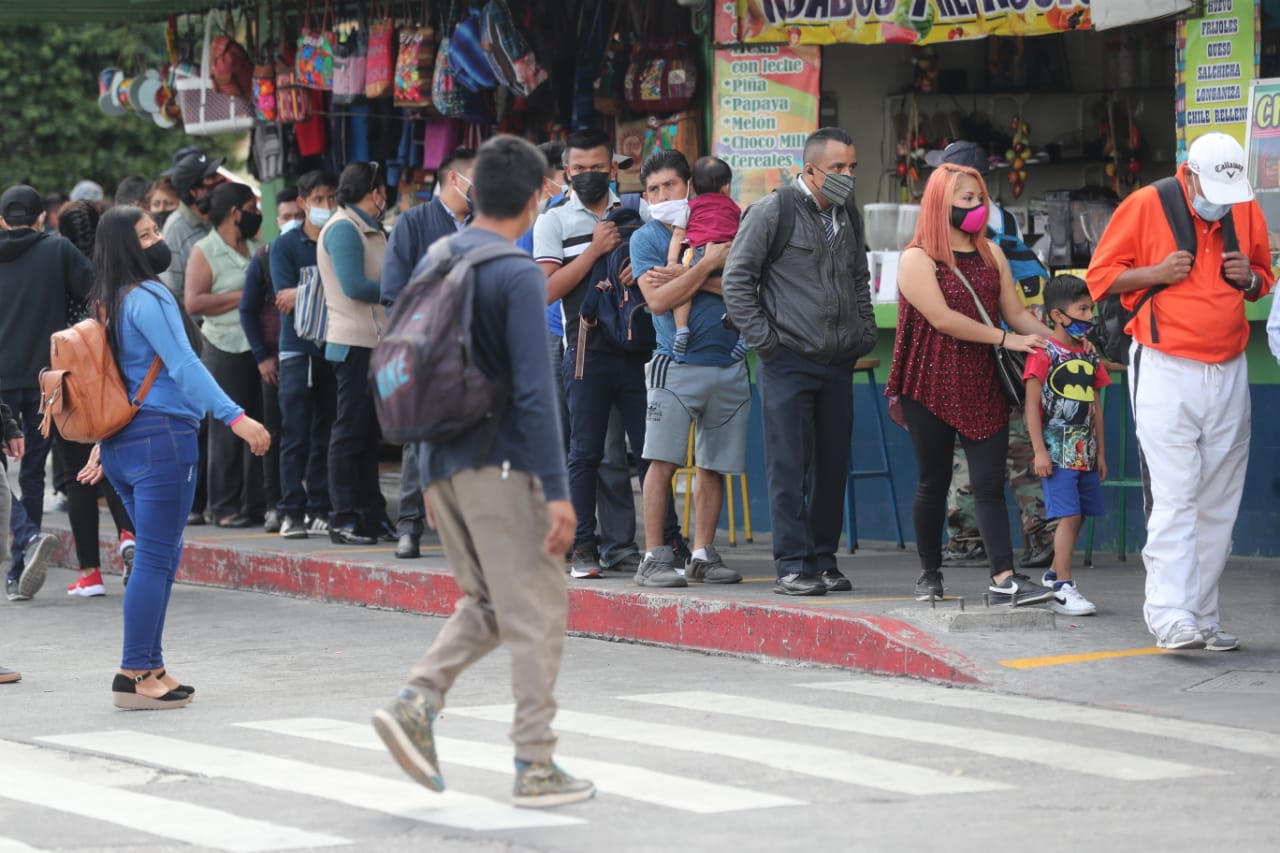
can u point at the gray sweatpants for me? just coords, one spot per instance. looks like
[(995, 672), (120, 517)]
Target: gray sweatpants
[(514, 595)]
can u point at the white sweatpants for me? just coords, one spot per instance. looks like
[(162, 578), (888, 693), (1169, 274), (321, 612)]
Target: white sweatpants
[(1193, 423)]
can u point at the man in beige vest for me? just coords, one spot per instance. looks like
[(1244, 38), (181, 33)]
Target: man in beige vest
[(350, 255)]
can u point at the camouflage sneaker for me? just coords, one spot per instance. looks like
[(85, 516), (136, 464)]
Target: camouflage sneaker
[(405, 728), (542, 785), (659, 570), (710, 570)]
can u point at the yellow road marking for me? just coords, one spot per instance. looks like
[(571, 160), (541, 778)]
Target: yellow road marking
[(1059, 660)]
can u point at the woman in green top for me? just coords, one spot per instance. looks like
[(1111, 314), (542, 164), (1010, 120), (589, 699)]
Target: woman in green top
[(215, 278)]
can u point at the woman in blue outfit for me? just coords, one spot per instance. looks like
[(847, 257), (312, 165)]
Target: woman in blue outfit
[(152, 461)]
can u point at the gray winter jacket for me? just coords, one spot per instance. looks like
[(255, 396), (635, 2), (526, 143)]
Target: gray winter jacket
[(814, 300)]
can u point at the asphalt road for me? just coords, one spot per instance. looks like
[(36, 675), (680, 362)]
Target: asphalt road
[(690, 752)]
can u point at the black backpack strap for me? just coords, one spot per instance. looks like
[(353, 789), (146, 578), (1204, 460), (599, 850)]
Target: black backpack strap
[(1174, 201), (786, 224)]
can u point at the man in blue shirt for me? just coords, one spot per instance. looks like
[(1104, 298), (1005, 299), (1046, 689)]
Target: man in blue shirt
[(709, 388), (501, 503), (307, 389), (414, 232)]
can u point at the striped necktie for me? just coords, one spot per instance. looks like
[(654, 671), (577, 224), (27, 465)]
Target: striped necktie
[(829, 225)]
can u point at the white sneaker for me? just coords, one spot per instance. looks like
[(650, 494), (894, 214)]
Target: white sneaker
[(1218, 640), (1068, 601), (1182, 636), (318, 525)]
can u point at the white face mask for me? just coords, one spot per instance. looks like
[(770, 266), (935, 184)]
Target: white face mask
[(290, 225), (674, 213)]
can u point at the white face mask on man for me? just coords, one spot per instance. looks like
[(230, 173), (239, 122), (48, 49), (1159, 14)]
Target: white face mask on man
[(673, 213)]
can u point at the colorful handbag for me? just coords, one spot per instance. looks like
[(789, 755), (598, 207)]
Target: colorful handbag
[(315, 52), (661, 77), (507, 49), (414, 66), (467, 57), (349, 60), (293, 100), (205, 110), (380, 61), (264, 79)]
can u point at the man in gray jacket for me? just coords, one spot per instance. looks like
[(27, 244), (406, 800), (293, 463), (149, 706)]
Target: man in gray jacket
[(807, 313)]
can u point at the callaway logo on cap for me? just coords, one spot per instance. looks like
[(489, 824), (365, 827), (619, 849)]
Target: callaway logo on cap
[(1218, 160)]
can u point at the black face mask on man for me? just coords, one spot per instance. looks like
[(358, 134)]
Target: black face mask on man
[(590, 187), (158, 256)]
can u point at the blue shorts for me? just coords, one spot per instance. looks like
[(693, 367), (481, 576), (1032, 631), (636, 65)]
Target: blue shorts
[(1069, 492)]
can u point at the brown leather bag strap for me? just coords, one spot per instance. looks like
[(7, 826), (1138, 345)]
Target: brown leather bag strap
[(152, 375)]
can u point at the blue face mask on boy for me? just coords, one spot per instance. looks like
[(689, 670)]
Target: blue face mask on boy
[(1078, 329)]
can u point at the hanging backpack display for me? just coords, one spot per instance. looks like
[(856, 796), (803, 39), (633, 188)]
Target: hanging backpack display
[(448, 95), (349, 59), (661, 78), (415, 64), (380, 58), (467, 57), (315, 51), (507, 49), (232, 67)]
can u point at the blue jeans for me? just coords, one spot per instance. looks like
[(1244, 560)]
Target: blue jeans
[(152, 464), (307, 407), (24, 522)]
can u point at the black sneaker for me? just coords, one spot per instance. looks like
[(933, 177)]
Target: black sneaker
[(1019, 590), (585, 562), (798, 584), (836, 581), (929, 583)]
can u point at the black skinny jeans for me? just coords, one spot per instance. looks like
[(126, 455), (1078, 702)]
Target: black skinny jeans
[(82, 501), (934, 441)]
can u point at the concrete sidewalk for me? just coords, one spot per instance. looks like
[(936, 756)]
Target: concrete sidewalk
[(878, 627)]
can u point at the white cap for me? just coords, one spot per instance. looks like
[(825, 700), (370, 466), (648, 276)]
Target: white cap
[(1218, 160)]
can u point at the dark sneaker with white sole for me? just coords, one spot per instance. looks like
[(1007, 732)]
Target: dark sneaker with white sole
[(836, 581), (1019, 590), (11, 590), (585, 563), (929, 583), (35, 564), (710, 570), (405, 729), (542, 785), (659, 570), (798, 584)]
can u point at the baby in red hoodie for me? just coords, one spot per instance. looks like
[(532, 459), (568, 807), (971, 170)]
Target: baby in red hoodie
[(713, 218)]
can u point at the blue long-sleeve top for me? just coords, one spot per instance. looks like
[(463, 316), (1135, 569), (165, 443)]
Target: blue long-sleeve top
[(414, 232), (346, 249), (253, 299), (511, 343), (149, 325)]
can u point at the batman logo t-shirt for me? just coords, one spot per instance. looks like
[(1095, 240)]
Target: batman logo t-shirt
[(1071, 379)]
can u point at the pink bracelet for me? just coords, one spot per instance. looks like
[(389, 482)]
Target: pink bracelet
[(237, 420)]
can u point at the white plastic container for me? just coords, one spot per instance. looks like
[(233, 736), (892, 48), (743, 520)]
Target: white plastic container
[(882, 226), (908, 216)]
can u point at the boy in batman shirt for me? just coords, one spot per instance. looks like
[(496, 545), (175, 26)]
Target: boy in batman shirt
[(1064, 418)]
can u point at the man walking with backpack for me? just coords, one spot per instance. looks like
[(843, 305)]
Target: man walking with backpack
[(806, 311), (1189, 380), (38, 272), (498, 493)]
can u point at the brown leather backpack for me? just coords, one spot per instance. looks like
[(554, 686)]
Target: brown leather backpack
[(82, 391)]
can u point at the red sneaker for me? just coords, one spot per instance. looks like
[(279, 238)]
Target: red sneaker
[(127, 548), (88, 586)]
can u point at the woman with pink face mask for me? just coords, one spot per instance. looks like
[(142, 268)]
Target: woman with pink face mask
[(943, 377)]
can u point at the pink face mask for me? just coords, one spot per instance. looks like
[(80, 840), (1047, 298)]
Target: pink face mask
[(970, 220)]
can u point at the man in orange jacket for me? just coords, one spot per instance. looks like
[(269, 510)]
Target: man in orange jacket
[(1189, 381)]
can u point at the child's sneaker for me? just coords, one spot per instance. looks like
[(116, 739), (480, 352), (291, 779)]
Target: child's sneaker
[(88, 586), (1049, 579), (1068, 601), (680, 345)]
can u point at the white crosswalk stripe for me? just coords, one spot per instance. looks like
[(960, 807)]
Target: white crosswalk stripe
[(166, 818), (1063, 756), (363, 790), (623, 780), (1261, 743), (819, 761), (12, 845)]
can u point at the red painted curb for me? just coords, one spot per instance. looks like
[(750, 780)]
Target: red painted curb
[(863, 642)]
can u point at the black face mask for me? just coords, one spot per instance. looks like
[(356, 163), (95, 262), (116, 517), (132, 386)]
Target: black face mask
[(249, 224), (591, 186), (159, 256), (161, 216)]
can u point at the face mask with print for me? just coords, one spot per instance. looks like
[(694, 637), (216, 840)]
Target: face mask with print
[(1207, 210), (318, 216), (1078, 329), (673, 213), (836, 188), (970, 220)]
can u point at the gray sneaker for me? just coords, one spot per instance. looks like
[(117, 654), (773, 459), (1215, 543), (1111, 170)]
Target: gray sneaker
[(542, 785), (35, 564), (405, 728), (1218, 640), (710, 570), (659, 570), (1183, 636)]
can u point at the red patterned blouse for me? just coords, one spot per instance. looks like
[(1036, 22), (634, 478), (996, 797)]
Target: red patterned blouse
[(953, 379)]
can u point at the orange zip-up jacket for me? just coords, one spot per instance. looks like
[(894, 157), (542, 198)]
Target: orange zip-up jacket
[(1201, 317)]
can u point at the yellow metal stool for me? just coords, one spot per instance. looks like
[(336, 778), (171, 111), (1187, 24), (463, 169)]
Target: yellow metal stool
[(689, 472)]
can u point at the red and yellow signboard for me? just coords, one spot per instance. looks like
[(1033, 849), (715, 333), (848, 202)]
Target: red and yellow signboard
[(798, 22)]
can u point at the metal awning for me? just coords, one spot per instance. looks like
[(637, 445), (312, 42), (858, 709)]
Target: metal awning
[(98, 11)]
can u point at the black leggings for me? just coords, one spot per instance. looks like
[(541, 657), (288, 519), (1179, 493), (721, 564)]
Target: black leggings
[(934, 443), (82, 501)]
